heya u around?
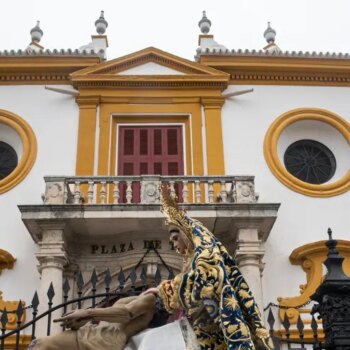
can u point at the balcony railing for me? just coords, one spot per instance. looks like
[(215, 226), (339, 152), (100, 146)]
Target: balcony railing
[(146, 189)]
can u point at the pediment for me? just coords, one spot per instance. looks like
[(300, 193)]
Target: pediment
[(150, 68), (150, 64)]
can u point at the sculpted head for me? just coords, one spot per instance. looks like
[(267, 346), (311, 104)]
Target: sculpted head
[(179, 240)]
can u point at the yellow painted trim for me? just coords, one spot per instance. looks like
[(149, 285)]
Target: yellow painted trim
[(29, 145), (133, 114), (147, 55), (6, 260), (214, 137), (86, 135), (271, 151), (106, 74), (55, 69), (311, 257), (277, 70)]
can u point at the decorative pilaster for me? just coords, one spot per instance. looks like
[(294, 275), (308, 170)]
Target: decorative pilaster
[(52, 258), (86, 135), (249, 256), (213, 131)]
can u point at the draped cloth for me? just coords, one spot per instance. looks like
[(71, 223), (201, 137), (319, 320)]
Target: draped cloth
[(214, 276)]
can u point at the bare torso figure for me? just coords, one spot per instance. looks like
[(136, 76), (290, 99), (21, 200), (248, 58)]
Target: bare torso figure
[(117, 324)]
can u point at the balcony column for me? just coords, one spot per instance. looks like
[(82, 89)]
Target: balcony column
[(52, 259), (249, 256)]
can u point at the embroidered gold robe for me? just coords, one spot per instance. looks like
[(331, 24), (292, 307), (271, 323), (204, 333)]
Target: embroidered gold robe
[(214, 276)]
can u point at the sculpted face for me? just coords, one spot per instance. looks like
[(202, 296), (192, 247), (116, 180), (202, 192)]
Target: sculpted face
[(177, 238)]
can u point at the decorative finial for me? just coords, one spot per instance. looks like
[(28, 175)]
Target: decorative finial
[(204, 24), (36, 32), (101, 24), (270, 34), (329, 231)]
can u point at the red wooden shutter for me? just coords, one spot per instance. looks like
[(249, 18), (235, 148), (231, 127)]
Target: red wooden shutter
[(149, 150)]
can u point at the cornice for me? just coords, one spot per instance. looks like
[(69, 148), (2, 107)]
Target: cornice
[(88, 101), (153, 81), (213, 102), (27, 70), (282, 70)]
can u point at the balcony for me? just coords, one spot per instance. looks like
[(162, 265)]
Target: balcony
[(96, 206)]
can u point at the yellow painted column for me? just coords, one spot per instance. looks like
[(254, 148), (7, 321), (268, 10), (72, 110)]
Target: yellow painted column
[(86, 135), (213, 130)]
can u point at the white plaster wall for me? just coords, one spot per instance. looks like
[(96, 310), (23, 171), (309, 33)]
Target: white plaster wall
[(150, 68), (301, 219), (54, 120)]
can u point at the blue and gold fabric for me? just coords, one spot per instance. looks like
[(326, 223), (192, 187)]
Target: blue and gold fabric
[(213, 275)]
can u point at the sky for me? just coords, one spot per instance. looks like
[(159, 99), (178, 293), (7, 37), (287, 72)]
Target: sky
[(301, 25)]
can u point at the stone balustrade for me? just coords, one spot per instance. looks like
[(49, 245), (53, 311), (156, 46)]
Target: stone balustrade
[(146, 189)]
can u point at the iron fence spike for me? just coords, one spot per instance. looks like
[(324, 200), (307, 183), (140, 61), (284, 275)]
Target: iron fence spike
[(286, 323), (271, 319), (66, 287), (121, 278), (80, 282), (158, 276), (19, 311), (314, 325), (93, 278), (35, 301), (4, 319), (133, 276), (300, 325), (108, 278), (144, 275), (51, 292)]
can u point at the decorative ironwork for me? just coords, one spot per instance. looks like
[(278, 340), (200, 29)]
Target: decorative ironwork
[(8, 159), (333, 296), (310, 161)]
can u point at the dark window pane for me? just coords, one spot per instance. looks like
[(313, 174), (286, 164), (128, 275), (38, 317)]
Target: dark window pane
[(143, 168), (129, 142), (158, 141), (128, 169), (310, 161), (8, 159), (157, 168), (143, 142), (172, 141), (173, 168)]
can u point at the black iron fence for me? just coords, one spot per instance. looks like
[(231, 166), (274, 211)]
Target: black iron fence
[(132, 284)]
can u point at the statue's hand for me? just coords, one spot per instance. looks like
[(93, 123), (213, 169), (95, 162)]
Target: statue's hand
[(153, 291), (74, 319)]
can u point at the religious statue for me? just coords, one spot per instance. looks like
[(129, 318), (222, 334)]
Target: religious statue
[(210, 281), (117, 324)]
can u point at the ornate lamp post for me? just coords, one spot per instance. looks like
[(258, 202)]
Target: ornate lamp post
[(333, 298)]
